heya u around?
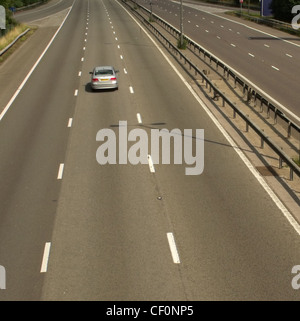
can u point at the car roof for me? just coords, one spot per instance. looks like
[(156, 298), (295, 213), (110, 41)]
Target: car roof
[(104, 67)]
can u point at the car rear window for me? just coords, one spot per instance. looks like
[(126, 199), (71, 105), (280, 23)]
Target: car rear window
[(104, 72)]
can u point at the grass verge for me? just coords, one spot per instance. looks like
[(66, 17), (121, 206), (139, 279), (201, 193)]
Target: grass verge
[(297, 160), (11, 36)]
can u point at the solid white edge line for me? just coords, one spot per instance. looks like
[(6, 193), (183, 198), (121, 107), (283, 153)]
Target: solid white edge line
[(44, 265), (253, 170), (33, 68), (60, 171), (173, 248), (151, 165)]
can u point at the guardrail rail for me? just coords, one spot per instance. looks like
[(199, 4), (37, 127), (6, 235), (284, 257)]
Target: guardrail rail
[(13, 42)]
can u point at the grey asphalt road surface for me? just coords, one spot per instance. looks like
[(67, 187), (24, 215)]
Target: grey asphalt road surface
[(72, 229)]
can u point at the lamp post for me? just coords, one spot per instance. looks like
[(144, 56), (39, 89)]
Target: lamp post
[(150, 10), (261, 7), (181, 25)]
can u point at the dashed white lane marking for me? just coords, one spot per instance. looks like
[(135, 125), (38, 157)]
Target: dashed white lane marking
[(173, 248), (131, 89), (139, 118), (151, 165), (70, 122), (275, 68), (76, 92), (60, 171), (45, 259)]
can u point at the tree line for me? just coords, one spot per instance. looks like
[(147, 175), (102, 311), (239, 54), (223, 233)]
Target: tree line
[(18, 3)]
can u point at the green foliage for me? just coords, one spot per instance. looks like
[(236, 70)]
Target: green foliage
[(18, 3), (183, 44), (282, 9)]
